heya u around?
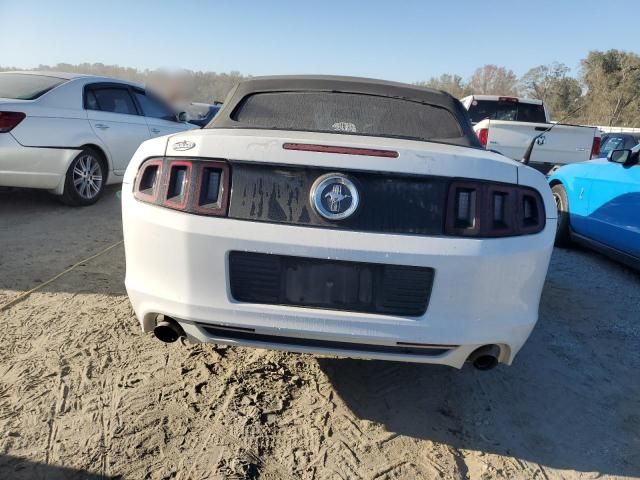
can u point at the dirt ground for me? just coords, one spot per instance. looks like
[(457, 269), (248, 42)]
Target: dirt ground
[(85, 394)]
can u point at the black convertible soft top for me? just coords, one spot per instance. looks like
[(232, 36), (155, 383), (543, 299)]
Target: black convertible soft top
[(244, 90)]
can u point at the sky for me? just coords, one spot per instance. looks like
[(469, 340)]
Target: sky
[(395, 40)]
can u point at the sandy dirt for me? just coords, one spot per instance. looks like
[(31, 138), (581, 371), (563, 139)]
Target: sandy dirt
[(85, 394)]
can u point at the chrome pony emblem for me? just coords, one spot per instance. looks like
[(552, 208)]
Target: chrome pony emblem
[(334, 196), (183, 145)]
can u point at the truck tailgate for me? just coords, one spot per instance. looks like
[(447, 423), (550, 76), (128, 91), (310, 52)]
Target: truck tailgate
[(563, 144)]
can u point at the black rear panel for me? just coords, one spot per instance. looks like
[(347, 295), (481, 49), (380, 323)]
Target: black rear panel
[(389, 203), (330, 284)]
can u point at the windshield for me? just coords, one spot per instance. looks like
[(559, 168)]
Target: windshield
[(514, 111), (347, 113), (18, 86)]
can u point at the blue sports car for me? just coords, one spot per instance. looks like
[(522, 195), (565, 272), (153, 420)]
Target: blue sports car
[(599, 204)]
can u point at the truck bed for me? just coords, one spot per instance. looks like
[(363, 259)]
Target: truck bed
[(562, 145)]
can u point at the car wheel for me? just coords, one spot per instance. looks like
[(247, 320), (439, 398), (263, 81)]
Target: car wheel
[(84, 182), (563, 235)]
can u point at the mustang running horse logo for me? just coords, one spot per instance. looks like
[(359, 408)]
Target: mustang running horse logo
[(335, 196)]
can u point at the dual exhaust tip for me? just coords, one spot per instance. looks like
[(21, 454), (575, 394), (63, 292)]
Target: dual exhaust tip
[(485, 358), (167, 330)]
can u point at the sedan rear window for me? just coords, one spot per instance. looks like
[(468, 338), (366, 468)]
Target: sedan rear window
[(347, 113), (512, 111), (20, 86)]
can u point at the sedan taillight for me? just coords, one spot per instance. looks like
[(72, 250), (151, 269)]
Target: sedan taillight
[(191, 185), (595, 147), (9, 120), (483, 136), (484, 209)]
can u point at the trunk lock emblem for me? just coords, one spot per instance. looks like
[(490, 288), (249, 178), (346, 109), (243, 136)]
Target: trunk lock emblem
[(334, 196)]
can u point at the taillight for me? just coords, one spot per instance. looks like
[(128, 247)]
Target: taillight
[(484, 209), (9, 120), (483, 136), (191, 185), (595, 147)]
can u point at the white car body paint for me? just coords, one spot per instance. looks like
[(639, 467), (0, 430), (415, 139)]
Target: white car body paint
[(38, 151), (485, 291)]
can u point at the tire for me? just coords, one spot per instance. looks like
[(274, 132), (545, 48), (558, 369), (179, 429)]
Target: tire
[(563, 232), (85, 178)]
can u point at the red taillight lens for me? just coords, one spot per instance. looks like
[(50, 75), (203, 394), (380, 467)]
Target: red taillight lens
[(177, 191), (191, 185), (483, 136), (483, 209), (9, 120), (148, 181), (595, 147)]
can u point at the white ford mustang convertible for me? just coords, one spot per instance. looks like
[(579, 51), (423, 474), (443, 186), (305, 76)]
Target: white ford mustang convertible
[(339, 216)]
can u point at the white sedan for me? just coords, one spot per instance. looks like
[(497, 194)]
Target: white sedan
[(73, 134), (338, 216)]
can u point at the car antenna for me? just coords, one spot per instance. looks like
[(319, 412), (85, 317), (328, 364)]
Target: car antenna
[(527, 153)]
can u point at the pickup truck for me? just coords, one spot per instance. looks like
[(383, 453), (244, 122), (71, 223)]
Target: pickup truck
[(508, 124)]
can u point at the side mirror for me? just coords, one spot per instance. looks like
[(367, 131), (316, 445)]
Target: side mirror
[(619, 156), (182, 117)]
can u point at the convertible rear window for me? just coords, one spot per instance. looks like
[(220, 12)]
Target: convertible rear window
[(347, 113), (19, 86)]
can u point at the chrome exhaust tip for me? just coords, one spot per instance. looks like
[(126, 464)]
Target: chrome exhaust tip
[(485, 358)]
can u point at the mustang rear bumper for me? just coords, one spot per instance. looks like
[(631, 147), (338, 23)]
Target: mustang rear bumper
[(484, 291)]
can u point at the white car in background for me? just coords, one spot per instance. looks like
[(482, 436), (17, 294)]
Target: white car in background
[(73, 134), (341, 216)]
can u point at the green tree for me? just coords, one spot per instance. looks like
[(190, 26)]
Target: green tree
[(452, 84), (612, 79), (493, 80), (539, 81), (552, 85)]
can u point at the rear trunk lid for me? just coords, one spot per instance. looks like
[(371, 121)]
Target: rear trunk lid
[(414, 157)]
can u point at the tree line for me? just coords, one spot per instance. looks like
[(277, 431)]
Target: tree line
[(606, 90)]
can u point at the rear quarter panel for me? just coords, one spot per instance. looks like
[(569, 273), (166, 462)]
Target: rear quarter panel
[(530, 177), (577, 184)]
